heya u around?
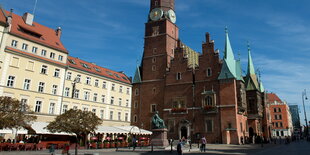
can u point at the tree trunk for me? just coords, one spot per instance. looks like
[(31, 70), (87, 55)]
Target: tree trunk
[(76, 145)]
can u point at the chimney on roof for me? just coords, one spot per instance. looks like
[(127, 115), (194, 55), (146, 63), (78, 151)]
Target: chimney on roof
[(28, 18), (58, 32), (9, 18)]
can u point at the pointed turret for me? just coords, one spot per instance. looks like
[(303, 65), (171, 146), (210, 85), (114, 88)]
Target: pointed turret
[(239, 71), (229, 63), (251, 78), (137, 77)]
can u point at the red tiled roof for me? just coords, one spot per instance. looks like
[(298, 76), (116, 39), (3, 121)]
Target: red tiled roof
[(94, 69), (34, 55), (271, 97), (47, 35), (2, 16)]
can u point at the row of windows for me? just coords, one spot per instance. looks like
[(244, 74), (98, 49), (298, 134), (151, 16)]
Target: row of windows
[(52, 110), (277, 109), (34, 50), (278, 117), (208, 71), (41, 87), (96, 82), (277, 124), (27, 82)]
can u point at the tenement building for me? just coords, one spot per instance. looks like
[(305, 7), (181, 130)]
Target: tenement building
[(196, 93), (280, 116), (36, 69)]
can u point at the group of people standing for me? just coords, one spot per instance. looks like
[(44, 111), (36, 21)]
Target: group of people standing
[(181, 143)]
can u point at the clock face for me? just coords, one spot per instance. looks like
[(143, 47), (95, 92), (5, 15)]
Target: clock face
[(172, 16), (156, 14)]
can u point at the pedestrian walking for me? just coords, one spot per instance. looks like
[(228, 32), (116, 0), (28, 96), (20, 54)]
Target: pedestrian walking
[(134, 143), (179, 147), (203, 144)]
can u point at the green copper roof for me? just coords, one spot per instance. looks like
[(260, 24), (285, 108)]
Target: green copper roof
[(137, 77), (229, 63), (261, 87), (251, 78), (239, 71), (251, 69)]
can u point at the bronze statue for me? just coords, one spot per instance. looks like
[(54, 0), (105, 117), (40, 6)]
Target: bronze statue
[(157, 122)]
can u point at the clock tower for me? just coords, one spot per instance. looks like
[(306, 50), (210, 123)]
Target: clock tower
[(160, 41)]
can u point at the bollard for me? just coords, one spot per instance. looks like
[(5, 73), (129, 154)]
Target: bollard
[(152, 149)]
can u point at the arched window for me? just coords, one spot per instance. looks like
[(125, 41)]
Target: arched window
[(136, 91), (208, 100)]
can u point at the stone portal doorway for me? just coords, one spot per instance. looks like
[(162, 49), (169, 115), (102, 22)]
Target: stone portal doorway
[(184, 132), (251, 132)]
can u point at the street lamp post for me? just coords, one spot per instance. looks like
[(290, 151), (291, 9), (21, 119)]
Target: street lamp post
[(304, 96)]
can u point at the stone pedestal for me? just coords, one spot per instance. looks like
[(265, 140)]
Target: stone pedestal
[(159, 137)]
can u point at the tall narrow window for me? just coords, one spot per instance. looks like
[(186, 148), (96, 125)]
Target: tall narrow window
[(86, 95), (64, 108), (209, 72), (126, 117), (69, 74), (10, 81), (96, 83), (34, 49), (24, 46), (76, 93), (127, 103), (113, 87), (136, 91), (128, 91), (14, 43), (101, 114), (88, 79), (54, 89), (120, 102), (52, 55), (41, 87), (111, 115), (52, 108), (27, 84), (60, 57), (153, 108), (23, 103), (179, 76), (104, 84), (44, 69), (56, 74), (38, 106), (67, 91), (112, 100), (119, 116), (95, 97), (78, 78), (43, 52), (121, 89), (209, 125), (102, 98)]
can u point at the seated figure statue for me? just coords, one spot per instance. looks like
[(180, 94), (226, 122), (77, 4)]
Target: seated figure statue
[(157, 122)]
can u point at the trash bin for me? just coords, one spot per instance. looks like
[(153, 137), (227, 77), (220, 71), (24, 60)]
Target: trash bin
[(52, 148)]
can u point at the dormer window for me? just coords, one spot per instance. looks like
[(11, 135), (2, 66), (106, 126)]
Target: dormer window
[(85, 65), (97, 69), (117, 75), (71, 61)]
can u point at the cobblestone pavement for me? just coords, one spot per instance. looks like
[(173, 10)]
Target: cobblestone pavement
[(299, 148)]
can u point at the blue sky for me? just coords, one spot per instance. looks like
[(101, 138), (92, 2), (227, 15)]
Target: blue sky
[(110, 33)]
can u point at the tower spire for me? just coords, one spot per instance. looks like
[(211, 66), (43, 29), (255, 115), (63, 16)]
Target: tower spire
[(251, 70)]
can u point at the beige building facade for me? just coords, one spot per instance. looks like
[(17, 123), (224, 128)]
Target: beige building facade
[(36, 69)]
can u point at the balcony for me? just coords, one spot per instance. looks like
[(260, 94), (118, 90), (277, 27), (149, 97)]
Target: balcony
[(179, 111), (210, 109)]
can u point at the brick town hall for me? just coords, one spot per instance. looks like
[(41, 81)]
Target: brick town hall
[(196, 94)]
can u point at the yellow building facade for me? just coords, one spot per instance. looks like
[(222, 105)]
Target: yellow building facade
[(36, 69)]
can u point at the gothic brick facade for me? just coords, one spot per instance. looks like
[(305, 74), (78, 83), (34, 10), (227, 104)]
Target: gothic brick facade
[(195, 93)]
